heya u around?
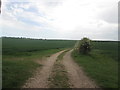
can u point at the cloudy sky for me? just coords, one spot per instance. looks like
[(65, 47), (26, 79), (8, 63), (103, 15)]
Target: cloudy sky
[(60, 19)]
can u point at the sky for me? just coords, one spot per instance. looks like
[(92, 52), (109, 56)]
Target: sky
[(60, 19)]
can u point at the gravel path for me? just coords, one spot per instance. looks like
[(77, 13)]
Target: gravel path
[(76, 75), (40, 78)]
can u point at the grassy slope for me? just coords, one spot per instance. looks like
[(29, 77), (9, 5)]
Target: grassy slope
[(101, 64), (19, 57)]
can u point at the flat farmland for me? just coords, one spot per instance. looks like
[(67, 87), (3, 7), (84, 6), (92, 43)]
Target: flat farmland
[(20, 57), (21, 46)]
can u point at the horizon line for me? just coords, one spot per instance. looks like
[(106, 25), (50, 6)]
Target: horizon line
[(54, 38)]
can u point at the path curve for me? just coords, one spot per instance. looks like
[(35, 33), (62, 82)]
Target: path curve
[(76, 75), (40, 78)]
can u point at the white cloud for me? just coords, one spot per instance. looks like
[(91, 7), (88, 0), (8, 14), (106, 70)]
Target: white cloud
[(71, 19)]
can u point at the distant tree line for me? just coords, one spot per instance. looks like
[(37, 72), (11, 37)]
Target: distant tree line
[(23, 38)]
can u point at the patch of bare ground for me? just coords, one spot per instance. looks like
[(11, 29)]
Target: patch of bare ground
[(76, 75), (40, 78)]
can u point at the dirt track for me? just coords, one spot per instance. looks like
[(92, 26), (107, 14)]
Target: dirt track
[(40, 79), (77, 77)]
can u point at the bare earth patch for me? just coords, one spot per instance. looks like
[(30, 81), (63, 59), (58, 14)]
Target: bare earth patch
[(40, 78), (76, 75)]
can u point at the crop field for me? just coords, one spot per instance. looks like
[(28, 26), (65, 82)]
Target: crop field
[(102, 63), (107, 48), (20, 46), (20, 55)]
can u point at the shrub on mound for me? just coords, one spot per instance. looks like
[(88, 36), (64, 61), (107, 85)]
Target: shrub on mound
[(85, 46)]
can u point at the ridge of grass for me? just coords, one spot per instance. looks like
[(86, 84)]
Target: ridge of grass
[(59, 78), (60, 57)]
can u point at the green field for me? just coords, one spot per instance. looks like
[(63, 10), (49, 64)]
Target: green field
[(101, 64), (20, 54), (107, 48), (19, 46)]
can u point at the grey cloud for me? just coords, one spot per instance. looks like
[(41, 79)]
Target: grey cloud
[(53, 3), (107, 33), (119, 12), (110, 15)]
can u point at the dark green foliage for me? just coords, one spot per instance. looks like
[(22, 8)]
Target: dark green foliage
[(85, 46)]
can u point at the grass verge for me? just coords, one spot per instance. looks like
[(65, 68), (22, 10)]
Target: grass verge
[(100, 67), (59, 78), (16, 70)]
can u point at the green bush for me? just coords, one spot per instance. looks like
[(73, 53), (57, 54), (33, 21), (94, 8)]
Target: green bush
[(85, 46)]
